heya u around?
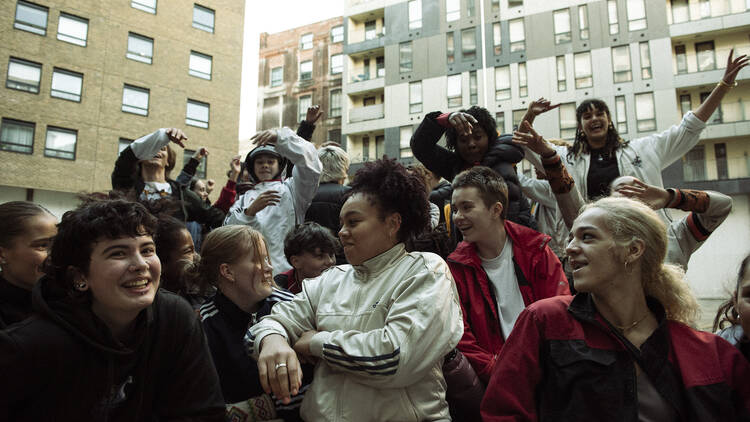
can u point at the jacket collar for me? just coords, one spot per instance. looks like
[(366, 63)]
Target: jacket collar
[(14, 294), (525, 240), (231, 312), (375, 265)]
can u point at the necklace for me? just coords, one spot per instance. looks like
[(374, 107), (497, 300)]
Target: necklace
[(631, 326)]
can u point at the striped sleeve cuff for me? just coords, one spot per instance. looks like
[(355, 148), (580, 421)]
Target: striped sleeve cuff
[(699, 232)]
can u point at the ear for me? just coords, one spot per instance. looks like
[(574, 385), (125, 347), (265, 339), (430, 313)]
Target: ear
[(294, 261), (80, 282), (635, 250), (393, 223), (497, 210), (226, 271)]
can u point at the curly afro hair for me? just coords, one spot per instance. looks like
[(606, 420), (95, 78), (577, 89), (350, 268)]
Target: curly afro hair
[(484, 120), (393, 189)]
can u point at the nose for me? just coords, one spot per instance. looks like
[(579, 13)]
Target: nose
[(572, 247), (138, 263)]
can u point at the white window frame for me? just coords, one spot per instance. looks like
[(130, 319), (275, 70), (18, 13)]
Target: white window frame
[(303, 103), (136, 55), (405, 133), (645, 112), (195, 119), (144, 5), (303, 73), (622, 68), (23, 66), (414, 9), (453, 90), (517, 44), (10, 136), (644, 49), (415, 97), (58, 77), (281, 74), (497, 38), (613, 19), (335, 35), (567, 119), (636, 11), (561, 23), (562, 76), (523, 82), (29, 26), (62, 153), (306, 41), (502, 83), (334, 111), (582, 70), (337, 69), (621, 114), (203, 26), (583, 21), (73, 20), (134, 109), (194, 71)]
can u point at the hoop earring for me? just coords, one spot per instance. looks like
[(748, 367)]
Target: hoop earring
[(81, 285)]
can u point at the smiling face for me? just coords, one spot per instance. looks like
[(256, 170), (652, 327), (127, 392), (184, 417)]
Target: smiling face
[(200, 189), (312, 264), (183, 250), (161, 158), (253, 275), (472, 217), (123, 277), (471, 148), (364, 233), (265, 167), (594, 123), (24, 256)]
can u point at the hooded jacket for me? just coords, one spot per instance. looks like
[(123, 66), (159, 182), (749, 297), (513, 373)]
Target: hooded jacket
[(63, 363), (539, 274), (15, 303)]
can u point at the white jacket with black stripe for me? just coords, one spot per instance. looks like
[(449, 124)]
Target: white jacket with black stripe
[(383, 330)]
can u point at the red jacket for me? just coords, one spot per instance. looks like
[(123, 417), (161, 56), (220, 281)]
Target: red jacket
[(539, 273)]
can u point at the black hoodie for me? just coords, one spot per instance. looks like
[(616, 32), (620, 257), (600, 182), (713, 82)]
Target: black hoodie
[(15, 303), (64, 364)]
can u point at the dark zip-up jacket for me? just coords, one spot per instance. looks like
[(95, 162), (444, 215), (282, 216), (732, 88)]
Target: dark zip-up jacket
[(15, 303)]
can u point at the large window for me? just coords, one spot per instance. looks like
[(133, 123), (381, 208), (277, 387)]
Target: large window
[(337, 64), (517, 35), (645, 115), (371, 30), (614, 22), (706, 55), (380, 66), (468, 44), (23, 75), (335, 103), (277, 76), (583, 21), (562, 79), (568, 123), (66, 84), (303, 104), (61, 143), (452, 10), (502, 83), (200, 65), (145, 5), (140, 48), (500, 120), (497, 38), (473, 88), (685, 104), (680, 11), (405, 133), (135, 100), (72, 29), (203, 18), (197, 113), (31, 17), (523, 84), (621, 64), (200, 171), (405, 57), (621, 114), (415, 97), (680, 59), (454, 91), (645, 60), (561, 20), (337, 33), (17, 136), (305, 70), (694, 164), (582, 69), (306, 42), (415, 14), (450, 48), (636, 15)]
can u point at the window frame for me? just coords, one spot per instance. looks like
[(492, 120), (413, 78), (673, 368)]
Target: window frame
[(612, 17), (136, 56), (502, 94), (580, 82), (562, 83), (21, 84), (681, 59), (131, 107), (564, 36), (519, 44), (306, 44), (334, 36), (645, 57), (69, 73), (415, 107), (404, 137), (567, 131), (650, 121), (473, 88), (138, 4), (468, 55), (19, 148), (621, 119), (452, 15), (201, 26), (402, 53), (625, 74), (523, 80), (302, 74), (198, 73), (638, 23), (334, 111), (454, 100), (280, 81), (70, 38), (30, 27), (195, 122), (450, 47), (302, 109), (699, 54), (497, 38), (414, 21), (59, 153), (341, 65), (583, 22)]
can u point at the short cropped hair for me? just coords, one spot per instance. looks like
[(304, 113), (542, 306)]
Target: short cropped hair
[(491, 186), (335, 163), (308, 236)]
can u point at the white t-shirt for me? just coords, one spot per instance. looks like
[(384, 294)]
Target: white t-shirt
[(156, 190), (504, 285)]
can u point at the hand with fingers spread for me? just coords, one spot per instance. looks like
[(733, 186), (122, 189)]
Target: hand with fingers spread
[(313, 114), (542, 105), (266, 137), (302, 347), (177, 136), (527, 136), (653, 196), (462, 122), (267, 198), (733, 67), (279, 368), (200, 153)]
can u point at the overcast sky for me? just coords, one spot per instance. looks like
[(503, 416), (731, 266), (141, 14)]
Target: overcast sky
[(272, 16)]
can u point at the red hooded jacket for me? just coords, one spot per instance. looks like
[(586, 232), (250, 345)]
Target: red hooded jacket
[(539, 273)]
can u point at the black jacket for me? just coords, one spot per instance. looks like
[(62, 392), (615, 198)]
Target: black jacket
[(326, 206), (64, 364), (15, 303), (501, 156)]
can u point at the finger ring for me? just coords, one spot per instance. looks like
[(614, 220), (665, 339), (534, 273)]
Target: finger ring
[(279, 365)]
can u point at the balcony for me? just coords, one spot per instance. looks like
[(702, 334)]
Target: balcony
[(361, 114), (701, 18), (361, 84), (357, 7)]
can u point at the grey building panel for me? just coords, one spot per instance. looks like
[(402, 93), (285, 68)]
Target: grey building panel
[(460, 65)]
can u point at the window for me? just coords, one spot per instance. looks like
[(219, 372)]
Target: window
[(583, 21), (645, 115), (135, 100), (502, 83), (470, 9), (415, 14), (680, 59), (717, 116), (452, 10), (720, 153), (706, 57), (415, 97), (200, 172), (123, 143), (405, 133), (337, 33), (523, 84), (568, 123), (694, 164), (277, 76), (454, 91), (335, 103), (680, 11), (306, 42), (404, 57), (450, 48), (305, 70), (303, 104), (614, 26), (23, 75), (518, 117), (468, 44), (561, 74), (197, 113), (200, 65), (72, 29), (685, 104), (145, 5), (31, 17), (17, 136), (636, 15), (365, 148), (495, 6), (517, 35), (140, 48), (645, 60), (368, 101), (473, 89), (337, 64), (61, 143), (621, 114), (66, 85), (621, 64), (497, 38), (366, 70), (334, 135), (582, 70), (561, 19), (370, 30), (203, 18), (380, 66), (500, 120), (705, 8)]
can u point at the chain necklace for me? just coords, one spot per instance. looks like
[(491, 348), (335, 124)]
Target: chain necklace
[(631, 326)]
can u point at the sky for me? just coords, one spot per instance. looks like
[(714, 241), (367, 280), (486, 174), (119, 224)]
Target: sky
[(272, 16)]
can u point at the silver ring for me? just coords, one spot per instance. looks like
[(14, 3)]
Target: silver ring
[(279, 365)]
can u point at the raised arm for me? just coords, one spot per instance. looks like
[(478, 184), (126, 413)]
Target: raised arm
[(424, 145), (727, 82)]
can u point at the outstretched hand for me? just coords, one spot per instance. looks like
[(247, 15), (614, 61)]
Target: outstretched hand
[(462, 122), (313, 114), (266, 137), (542, 105), (177, 136), (733, 67), (527, 136)]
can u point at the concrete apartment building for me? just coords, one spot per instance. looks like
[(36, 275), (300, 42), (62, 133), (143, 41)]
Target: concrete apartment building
[(299, 68), (83, 78), (651, 61)]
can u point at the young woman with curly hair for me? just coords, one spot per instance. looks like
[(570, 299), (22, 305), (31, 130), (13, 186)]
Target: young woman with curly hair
[(379, 328), (736, 312)]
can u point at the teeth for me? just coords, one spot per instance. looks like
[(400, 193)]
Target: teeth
[(136, 283)]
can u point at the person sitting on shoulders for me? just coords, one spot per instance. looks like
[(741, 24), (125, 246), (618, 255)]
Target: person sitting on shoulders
[(310, 249)]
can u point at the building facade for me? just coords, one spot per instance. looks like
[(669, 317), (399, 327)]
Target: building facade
[(84, 78), (651, 61), (299, 68)]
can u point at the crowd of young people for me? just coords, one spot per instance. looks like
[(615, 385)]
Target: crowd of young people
[(451, 301)]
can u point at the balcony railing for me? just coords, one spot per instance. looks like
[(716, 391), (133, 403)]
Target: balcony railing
[(705, 10), (713, 169), (361, 114)]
